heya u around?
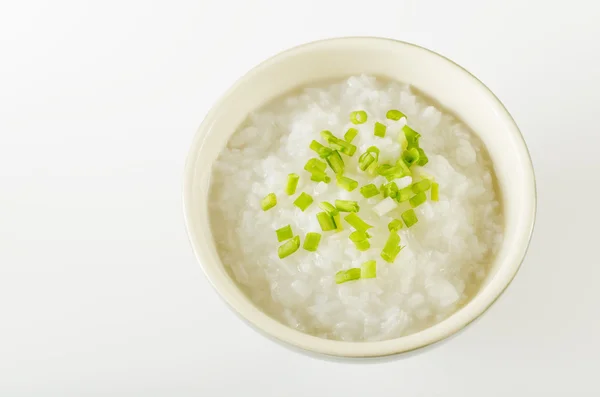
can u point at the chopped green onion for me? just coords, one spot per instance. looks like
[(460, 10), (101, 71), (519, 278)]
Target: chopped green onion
[(374, 151), (289, 247), (410, 156), (346, 183), (347, 275), (357, 223), (409, 217), (412, 137), (423, 159), (390, 190), (303, 201), (404, 194), (365, 160), (292, 183), (395, 225), (350, 134), (435, 192), (335, 162), (327, 207), (347, 206), (362, 245), (311, 241), (320, 176), (417, 199), (284, 233), (369, 190), (379, 129), (338, 222), (421, 186), (394, 115), (358, 236), (315, 165), (322, 151), (368, 269), (342, 146), (326, 221), (383, 168), (358, 117), (268, 202), (327, 135), (392, 248), (397, 171)]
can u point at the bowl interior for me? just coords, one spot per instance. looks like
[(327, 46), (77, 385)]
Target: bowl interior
[(435, 76)]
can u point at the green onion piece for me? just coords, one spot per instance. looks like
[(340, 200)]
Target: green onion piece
[(383, 168), (379, 129), (368, 269), (327, 207), (394, 115), (337, 219), (397, 171), (326, 221), (289, 247), (404, 194), (435, 192), (392, 248), (369, 190), (410, 156), (315, 165), (303, 201), (390, 190), (335, 162), (421, 186), (417, 199), (358, 117), (347, 206), (357, 223), (423, 159), (346, 183), (347, 275), (412, 137), (292, 183), (319, 176), (322, 151), (327, 135), (284, 233), (395, 225), (311, 241), (365, 160), (358, 236), (342, 146), (409, 217), (362, 245), (268, 202), (350, 134), (374, 151)]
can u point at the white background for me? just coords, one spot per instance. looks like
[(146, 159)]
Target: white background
[(100, 294)]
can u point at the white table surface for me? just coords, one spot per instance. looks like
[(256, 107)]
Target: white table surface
[(100, 294)]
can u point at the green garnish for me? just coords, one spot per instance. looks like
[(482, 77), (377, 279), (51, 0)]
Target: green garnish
[(327, 135), (394, 115), (342, 146), (284, 233), (322, 151), (395, 225), (423, 159), (347, 275), (311, 241), (369, 190), (327, 207), (435, 194), (268, 202), (335, 162), (320, 176), (421, 186), (303, 201), (317, 168), (358, 117), (350, 135), (404, 194), (410, 156), (374, 151), (337, 219), (392, 248), (358, 236), (346, 183), (397, 171), (326, 221), (368, 269), (365, 160), (390, 190), (289, 247), (409, 217), (412, 137), (292, 183), (347, 206), (357, 223), (417, 199), (379, 129)]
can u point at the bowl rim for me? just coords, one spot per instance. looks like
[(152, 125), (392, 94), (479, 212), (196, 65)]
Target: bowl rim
[(280, 332)]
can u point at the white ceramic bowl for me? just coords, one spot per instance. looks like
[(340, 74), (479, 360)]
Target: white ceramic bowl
[(439, 78)]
